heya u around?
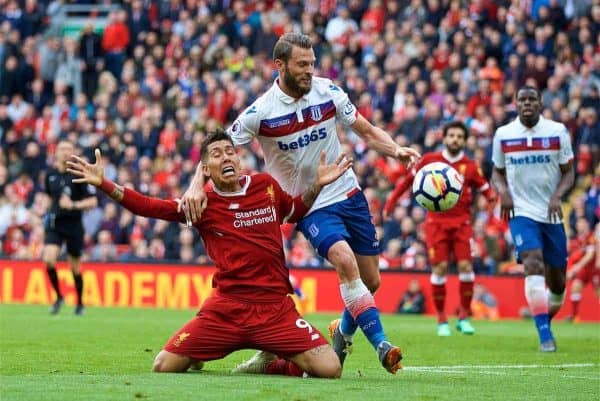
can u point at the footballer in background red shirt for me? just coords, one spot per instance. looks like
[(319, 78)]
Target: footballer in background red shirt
[(450, 232), (250, 306), (583, 266)]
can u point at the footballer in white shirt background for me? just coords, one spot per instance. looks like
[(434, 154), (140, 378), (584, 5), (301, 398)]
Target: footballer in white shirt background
[(533, 170)]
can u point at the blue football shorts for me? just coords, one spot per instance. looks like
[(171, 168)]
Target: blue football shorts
[(529, 234), (348, 220)]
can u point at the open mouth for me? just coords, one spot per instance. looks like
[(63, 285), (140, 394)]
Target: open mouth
[(228, 171)]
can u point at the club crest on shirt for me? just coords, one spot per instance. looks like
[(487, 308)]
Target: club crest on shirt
[(313, 230), (349, 109), (236, 127), (180, 338), (518, 240), (315, 113), (271, 193)]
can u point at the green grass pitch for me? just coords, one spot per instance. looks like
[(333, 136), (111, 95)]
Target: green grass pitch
[(107, 354)]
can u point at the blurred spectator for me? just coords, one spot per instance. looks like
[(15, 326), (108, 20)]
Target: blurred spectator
[(485, 249), (91, 54), (413, 300), (484, 304), (13, 212), (580, 211), (302, 254), (391, 258), (115, 41), (69, 68), (138, 253), (104, 250), (50, 56), (340, 28)]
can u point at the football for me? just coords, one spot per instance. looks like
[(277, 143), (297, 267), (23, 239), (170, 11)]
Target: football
[(437, 186)]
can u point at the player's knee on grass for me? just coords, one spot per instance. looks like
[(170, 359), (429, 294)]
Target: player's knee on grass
[(167, 362), (319, 362), (328, 369)]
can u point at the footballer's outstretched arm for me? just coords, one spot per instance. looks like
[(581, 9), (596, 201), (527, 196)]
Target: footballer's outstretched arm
[(401, 186), (381, 141), (135, 202)]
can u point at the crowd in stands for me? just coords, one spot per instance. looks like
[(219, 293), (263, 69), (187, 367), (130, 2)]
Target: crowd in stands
[(162, 73)]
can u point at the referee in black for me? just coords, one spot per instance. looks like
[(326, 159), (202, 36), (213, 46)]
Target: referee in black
[(63, 222)]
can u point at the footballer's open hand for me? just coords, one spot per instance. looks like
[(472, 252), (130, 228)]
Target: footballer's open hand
[(328, 173), (86, 172), (192, 203), (408, 156)]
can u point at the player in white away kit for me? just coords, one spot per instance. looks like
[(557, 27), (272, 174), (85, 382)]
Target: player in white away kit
[(294, 121), (533, 169)]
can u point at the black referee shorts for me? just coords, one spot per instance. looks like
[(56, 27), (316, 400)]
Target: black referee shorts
[(69, 231)]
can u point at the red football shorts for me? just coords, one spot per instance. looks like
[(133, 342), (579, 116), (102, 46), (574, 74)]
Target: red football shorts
[(442, 239), (588, 273), (224, 325)]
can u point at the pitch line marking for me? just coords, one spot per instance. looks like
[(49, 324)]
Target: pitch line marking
[(493, 369), (462, 367), (499, 373)]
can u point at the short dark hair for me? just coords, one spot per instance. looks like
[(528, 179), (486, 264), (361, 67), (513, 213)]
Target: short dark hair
[(456, 124), (528, 88), (283, 47), (216, 136)]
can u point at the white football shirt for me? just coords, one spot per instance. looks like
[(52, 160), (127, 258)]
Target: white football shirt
[(532, 159), (293, 132)]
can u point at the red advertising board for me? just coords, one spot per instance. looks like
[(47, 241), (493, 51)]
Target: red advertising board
[(180, 286)]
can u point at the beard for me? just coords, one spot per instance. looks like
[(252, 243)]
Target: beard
[(293, 84), (453, 149)]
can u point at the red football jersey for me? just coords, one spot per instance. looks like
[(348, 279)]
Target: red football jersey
[(579, 246), (473, 179), (241, 233)]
